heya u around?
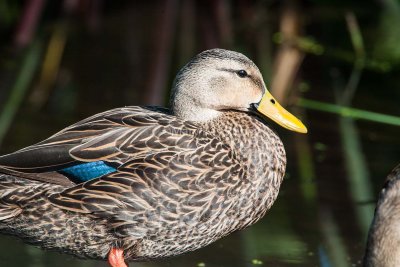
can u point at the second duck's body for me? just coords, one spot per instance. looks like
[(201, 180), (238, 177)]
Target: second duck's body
[(383, 245)]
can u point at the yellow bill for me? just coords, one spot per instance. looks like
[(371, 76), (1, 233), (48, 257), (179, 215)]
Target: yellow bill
[(270, 108)]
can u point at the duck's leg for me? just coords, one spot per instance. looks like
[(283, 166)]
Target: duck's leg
[(116, 258)]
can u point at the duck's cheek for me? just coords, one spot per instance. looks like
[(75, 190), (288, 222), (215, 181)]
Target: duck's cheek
[(254, 96), (238, 98), (258, 95)]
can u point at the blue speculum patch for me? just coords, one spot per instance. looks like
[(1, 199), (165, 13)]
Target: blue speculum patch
[(88, 170)]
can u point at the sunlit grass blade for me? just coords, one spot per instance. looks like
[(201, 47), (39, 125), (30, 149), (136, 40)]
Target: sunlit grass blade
[(51, 65), (349, 112)]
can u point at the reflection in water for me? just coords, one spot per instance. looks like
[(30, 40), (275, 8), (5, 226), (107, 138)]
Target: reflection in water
[(112, 54), (383, 247)]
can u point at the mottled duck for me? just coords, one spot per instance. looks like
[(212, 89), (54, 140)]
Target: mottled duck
[(143, 183)]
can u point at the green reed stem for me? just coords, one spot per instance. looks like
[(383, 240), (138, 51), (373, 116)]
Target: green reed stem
[(349, 112), (17, 93)]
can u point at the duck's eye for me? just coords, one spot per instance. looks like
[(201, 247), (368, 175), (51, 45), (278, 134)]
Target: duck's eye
[(242, 73), (272, 101)]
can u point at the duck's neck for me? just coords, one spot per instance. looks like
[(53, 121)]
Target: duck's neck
[(253, 141)]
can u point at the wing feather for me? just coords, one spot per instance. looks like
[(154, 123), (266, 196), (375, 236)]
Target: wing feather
[(177, 179), (96, 138)]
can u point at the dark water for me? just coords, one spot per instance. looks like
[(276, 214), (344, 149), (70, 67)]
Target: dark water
[(127, 54)]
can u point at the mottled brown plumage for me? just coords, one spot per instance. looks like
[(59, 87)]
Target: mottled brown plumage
[(183, 177)]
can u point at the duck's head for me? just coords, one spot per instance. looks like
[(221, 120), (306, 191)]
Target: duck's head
[(218, 80)]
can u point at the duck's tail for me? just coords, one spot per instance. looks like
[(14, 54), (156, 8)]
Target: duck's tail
[(26, 212), (12, 190)]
